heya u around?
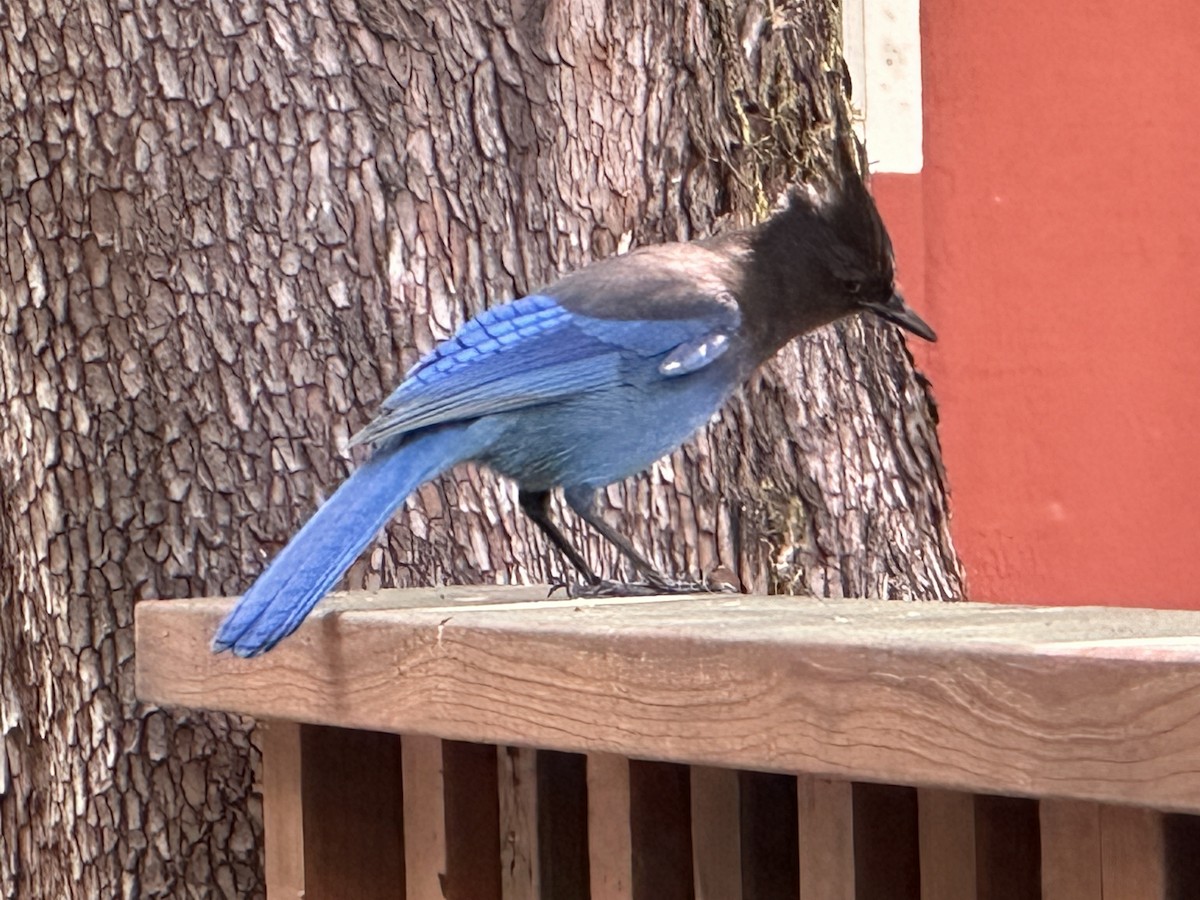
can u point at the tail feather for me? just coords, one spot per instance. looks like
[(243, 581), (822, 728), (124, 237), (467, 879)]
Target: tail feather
[(319, 554)]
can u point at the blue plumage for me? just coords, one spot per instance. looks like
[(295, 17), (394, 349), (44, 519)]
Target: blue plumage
[(318, 555), (460, 402), (549, 353), (583, 384)]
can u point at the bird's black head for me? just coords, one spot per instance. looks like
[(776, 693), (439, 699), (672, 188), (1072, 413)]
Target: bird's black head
[(831, 251)]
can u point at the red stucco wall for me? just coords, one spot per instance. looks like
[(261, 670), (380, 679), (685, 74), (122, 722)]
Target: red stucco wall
[(1060, 205)]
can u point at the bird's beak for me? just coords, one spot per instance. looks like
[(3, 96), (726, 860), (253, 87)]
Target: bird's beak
[(896, 311)]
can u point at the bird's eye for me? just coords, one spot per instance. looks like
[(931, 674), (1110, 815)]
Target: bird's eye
[(851, 287)]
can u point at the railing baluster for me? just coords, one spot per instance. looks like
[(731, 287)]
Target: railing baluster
[(716, 834), (519, 870), (825, 810), (424, 817), (610, 846), (947, 834)]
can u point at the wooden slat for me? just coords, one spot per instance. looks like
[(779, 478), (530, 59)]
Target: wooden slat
[(424, 818), (610, 842), (1007, 849), (283, 808), (716, 834), (1072, 866), (825, 811), (451, 815), (947, 835), (1100, 704), (1131, 846), (518, 824), (353, 821)]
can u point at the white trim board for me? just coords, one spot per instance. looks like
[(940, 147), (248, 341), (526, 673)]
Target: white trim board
[(881, 40)]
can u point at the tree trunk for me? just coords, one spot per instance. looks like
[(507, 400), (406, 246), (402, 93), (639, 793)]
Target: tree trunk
[(228, 230)]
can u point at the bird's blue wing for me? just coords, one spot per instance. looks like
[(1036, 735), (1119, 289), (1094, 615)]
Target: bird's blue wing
[(535, 350)]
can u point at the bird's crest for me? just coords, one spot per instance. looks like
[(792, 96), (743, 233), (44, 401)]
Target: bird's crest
[(836, 192)]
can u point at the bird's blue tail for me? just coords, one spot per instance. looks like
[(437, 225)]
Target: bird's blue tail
[(317, 556)]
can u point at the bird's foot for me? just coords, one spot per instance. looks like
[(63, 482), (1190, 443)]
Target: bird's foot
[(704, 586), (604, 588), (649, 588), (569, 588)]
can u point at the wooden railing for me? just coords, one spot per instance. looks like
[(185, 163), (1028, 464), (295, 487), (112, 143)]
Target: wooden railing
[(472, 744)]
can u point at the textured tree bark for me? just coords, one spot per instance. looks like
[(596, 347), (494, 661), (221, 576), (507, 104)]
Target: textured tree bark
[(230, 227)]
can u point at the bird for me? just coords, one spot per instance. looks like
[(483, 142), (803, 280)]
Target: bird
[(589, 380)]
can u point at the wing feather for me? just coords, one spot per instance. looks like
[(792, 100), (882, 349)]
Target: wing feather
[(538, 349)]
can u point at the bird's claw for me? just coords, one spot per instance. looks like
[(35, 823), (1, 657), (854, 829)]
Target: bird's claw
[(649, 588), (705, 586), (605, 588)]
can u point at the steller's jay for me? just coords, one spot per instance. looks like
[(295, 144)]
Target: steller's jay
[(591, 379)]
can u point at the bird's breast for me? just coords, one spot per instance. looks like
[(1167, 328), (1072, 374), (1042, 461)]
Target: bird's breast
[(600, 437)]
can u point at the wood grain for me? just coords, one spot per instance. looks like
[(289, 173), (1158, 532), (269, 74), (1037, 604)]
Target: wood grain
[(1132, 848), (283, 808), (1072, 865), (424, 818), (716, 834), (825, 810), (1099, 704), (610, 840), (518, 823), (946, 822)]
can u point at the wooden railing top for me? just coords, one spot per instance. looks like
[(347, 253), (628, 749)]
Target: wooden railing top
[(1089, 703)]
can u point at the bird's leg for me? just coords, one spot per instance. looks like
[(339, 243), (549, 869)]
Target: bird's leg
[(583, 502), (536, 505), (584, 505)]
